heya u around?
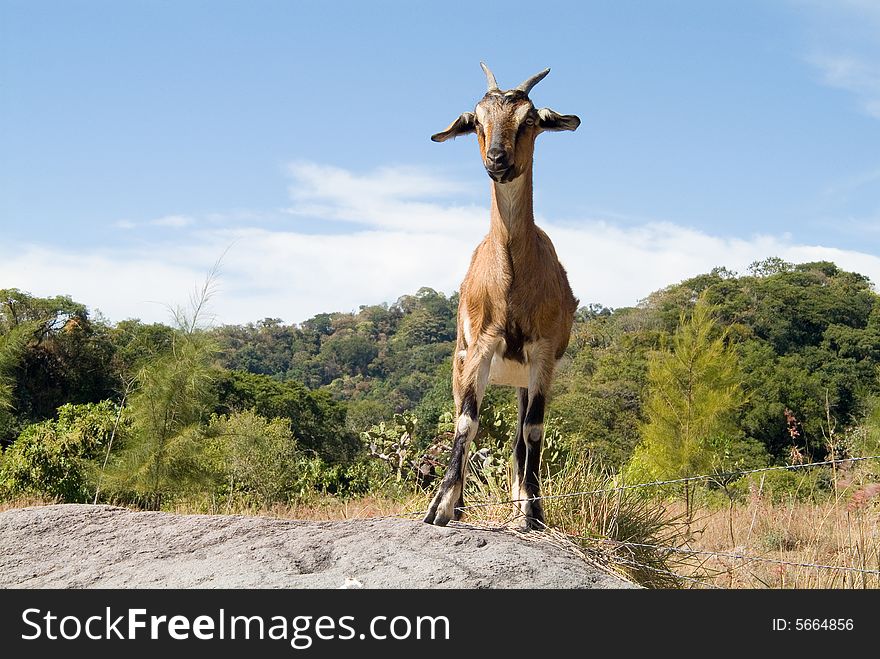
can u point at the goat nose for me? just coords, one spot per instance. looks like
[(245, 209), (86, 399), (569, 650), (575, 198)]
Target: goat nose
[(497, 156)]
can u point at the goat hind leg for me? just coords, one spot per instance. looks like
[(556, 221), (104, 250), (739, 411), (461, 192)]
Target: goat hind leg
[(517, 480), (533, 434)]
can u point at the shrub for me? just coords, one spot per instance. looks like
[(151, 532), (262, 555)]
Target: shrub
[(802, 485), (624, 516), (259, 461), (56, 459)]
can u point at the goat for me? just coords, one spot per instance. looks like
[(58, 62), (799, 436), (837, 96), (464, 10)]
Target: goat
[(516, 307)]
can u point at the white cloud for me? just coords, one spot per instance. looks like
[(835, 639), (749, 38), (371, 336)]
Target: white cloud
[(124, 224), (168, 221), (619, 266), (843, 190), (394, 198), (853, 74), (173, 221), (120, 284), (406, 239), (845, 47)]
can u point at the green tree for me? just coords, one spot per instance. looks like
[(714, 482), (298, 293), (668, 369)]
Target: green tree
[(803, 332), (66, 356), (56, 459), (772, 265), (695, 391), (347, 352), (258, 458), (173, 395), (13, 343), (598, 398), (315, 421), (135, 343)]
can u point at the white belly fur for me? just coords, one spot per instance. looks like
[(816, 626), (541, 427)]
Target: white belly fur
[(508, 371)]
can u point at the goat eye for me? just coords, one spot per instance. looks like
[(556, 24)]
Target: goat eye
[(530, 121)]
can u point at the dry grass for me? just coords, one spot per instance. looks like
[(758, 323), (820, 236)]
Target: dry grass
[(322, 508), (318, 509), (24, 502), (831, 533), (590, 521)]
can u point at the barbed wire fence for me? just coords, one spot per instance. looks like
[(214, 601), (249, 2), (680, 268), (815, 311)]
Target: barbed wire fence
[(616, 557)]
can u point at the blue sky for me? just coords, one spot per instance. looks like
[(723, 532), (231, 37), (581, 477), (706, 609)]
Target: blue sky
[(141, 140)]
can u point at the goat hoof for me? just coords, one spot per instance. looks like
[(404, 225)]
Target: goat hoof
[(436, 517), (441, 520), (533, 524)]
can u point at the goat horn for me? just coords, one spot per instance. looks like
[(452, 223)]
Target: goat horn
[(490, 78), (526, 87)]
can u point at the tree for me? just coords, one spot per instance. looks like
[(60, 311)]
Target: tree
[(12, 347), (62, 356), (258, 457), (347, 352), (598, 398), (694, 390), (802, 331), (136, 343), (315, 421), (173, 395), (770, 266), (55, 459)]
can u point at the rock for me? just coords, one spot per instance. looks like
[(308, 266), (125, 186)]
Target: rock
[(83, 546)]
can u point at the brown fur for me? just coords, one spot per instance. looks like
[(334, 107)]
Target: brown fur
[(515, 299), (515, 284), (515, 280)]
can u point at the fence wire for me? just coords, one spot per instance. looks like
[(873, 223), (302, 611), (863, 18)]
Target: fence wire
[(683, 550), (625, 561), (726, 554), (673, 481)]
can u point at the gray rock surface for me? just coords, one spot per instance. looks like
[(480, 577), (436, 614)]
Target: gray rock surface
[(82, 546)]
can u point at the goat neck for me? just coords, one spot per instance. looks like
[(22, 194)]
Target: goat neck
[(512, 217)]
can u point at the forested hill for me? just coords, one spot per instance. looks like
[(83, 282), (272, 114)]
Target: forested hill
[(807, 337), (805, 340)]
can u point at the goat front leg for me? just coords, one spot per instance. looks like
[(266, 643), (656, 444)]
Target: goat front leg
[(526, 482), (470, 376)]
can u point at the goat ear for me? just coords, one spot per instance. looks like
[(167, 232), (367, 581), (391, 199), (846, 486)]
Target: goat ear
[(550, 120), (465, 124)]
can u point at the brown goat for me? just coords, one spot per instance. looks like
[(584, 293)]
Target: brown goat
[(516, 308)]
